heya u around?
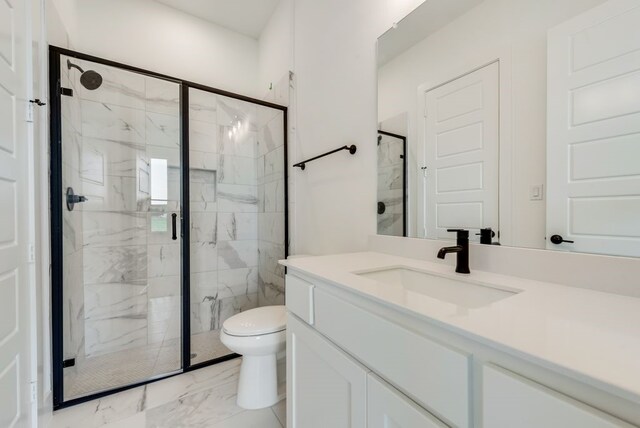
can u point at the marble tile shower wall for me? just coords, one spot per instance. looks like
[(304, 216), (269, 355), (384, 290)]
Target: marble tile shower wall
[(224, 206), (244, 243), (282, 92), (271, 218), (130, 266)]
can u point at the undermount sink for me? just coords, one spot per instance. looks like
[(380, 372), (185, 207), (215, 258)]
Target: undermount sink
[(461, 292)]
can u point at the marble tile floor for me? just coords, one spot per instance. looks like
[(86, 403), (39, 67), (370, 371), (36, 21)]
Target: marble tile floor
[(137, 365), (198, 399)]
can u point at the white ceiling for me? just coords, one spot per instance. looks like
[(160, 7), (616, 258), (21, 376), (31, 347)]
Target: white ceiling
[(425, 20), (248, 17)]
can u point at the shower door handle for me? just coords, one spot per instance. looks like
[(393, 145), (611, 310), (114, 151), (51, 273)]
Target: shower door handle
[(174, 235)]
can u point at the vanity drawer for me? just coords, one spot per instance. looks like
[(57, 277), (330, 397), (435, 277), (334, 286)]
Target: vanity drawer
[(434, 375), (299, 297), (513, 401)]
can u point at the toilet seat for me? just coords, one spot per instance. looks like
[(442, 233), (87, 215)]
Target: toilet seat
[(256, 322)]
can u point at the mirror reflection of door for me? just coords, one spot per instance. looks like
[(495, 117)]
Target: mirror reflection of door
[(593, 147), (461, 145), (392, 183)]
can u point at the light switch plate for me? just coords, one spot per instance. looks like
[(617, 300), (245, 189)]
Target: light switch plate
[(536, 192)]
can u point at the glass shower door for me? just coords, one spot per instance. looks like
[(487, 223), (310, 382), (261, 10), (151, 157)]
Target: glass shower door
[(121, 165)]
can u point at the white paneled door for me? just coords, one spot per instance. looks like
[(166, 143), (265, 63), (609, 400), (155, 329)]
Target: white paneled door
[(593, 144), (15, 362), (461, 144)]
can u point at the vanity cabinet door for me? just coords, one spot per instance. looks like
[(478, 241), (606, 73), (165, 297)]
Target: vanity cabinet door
[(433, 374), (326, 387), (512, 401), (389, 408)]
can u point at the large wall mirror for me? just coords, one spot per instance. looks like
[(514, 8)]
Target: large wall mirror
[(516, 119)]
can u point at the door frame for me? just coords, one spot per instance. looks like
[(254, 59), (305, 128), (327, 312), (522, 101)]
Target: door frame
[(56, 208), (503, 57)]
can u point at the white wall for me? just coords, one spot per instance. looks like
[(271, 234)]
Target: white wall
[(62, 17), (153, 36), (335, 65), (518, 29), (57, 28), (275, 47)]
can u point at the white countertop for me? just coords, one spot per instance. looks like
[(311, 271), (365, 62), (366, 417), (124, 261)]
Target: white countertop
[(591, 336)]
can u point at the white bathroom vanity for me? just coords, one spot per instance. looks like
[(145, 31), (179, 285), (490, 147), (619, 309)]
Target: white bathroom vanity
[(376, 340)]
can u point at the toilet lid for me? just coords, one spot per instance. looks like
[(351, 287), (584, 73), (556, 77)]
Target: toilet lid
[(254, 322)]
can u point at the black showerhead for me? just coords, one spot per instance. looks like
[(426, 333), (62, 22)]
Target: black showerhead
[(89, 79)]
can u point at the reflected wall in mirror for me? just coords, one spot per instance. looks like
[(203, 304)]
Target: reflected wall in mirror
[(522, 117)]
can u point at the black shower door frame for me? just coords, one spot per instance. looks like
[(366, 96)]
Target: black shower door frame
[(55, 180)]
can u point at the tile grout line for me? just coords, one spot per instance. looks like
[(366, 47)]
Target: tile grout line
[(276, 415)]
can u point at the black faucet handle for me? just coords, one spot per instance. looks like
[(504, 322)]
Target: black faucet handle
[(486, 235), (462, 233)]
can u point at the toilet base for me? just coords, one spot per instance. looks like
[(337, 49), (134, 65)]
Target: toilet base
[(258, 385)]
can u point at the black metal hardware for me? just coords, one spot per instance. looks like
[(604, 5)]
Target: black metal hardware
[(73, 199), (461, 250), (352, 149), (185, 223), (66, 91), (486, 236), (37, 102), (464, 233), (55, 183), (381, 207), (557, 239), (174, 235), (69, 363)]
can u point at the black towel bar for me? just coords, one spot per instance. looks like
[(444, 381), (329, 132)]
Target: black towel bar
[(352, 149)]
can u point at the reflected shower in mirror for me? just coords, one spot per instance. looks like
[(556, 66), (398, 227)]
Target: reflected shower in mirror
[(392, 188), (522, 122)]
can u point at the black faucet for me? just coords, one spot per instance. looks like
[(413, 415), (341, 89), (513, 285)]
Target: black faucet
[(462, 250)]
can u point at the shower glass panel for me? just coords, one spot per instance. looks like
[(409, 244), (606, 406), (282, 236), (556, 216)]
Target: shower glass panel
[(121, 256), (237, 200)]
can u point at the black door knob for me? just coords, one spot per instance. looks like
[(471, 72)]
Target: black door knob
[(557, 239), (381, 207)]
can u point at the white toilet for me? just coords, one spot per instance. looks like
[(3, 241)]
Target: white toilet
[(258, 335)]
